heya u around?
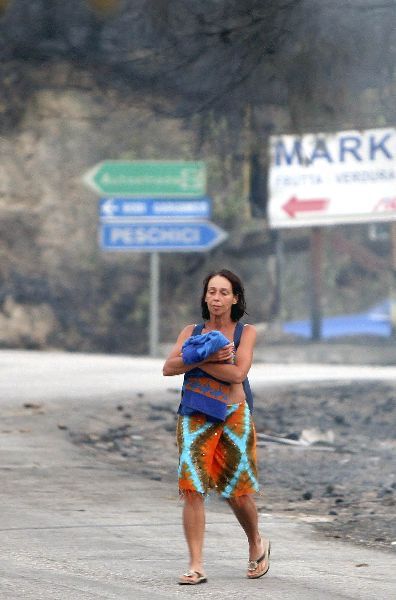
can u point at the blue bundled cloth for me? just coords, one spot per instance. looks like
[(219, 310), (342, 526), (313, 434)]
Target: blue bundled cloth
[(199, 347), (201, 392)]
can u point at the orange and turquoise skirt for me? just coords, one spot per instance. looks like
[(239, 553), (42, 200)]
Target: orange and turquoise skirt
[(218, 456)]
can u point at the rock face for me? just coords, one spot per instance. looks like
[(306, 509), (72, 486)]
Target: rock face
[(58, 288), (22, 325)]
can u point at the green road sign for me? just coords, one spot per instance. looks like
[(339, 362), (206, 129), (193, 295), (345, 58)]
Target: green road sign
[(148, 178)]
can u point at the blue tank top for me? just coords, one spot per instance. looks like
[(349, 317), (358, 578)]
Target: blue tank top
[(237, 338)]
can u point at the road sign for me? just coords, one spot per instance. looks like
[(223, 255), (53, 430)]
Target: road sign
[(121, 208), (161, 236), (148, 178), (325, 179)]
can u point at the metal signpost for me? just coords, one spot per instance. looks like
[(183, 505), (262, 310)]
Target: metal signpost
[(154, 206), (322, 179)]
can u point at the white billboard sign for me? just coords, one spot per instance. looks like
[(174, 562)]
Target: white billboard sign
[(326, 179)]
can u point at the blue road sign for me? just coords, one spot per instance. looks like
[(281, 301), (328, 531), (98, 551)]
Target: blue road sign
[(161, 236), (184, 208)]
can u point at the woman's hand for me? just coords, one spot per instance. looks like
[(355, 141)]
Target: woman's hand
[(224, 355), (237, 371)]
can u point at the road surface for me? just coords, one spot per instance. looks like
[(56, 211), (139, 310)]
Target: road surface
[(74, 528)]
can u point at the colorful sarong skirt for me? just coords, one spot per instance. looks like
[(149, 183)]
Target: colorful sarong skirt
[(219, 456)]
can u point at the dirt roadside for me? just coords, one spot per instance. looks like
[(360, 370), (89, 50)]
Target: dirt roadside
[(343, 480)]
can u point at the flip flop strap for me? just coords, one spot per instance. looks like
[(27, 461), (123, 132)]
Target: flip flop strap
[(253, 564), (192, 574)]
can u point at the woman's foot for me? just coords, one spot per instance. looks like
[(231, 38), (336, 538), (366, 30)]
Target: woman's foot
[(192, 578), (259, 566)]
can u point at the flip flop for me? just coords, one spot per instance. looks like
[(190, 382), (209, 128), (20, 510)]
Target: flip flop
[(198, 578), (253, 564)]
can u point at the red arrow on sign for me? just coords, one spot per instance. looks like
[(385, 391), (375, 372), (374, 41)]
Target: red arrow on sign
[(294, 205)]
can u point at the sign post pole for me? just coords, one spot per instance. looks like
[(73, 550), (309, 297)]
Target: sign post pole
[(279, 254), (392, 294), (154, 302), (316, 271)]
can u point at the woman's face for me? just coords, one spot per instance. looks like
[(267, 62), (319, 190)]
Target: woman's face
[(219, 296)]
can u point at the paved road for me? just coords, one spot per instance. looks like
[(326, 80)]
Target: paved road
[(73, 528), (58, 375)]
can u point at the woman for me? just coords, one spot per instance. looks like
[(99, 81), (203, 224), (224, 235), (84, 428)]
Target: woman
[(212, 454)]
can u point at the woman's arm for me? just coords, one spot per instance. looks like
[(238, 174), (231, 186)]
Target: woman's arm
[(237, 372), (174, 364)]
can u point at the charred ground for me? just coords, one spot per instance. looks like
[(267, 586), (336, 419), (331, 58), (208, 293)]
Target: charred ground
[(346, 487)]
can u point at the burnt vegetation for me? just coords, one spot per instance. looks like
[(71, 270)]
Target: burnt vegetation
[(212, 55)]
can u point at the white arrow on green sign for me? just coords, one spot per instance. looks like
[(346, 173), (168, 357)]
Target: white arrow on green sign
[(148, 178)]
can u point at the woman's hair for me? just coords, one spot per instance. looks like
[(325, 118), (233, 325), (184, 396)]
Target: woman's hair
[(238, 309)]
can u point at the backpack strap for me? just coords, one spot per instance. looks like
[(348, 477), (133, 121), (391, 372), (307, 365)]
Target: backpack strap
[(246, 385), (238, 333), (198, 329)]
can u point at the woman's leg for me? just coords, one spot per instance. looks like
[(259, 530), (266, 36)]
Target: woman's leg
[(194, 528), (244, 508), (197, 440)]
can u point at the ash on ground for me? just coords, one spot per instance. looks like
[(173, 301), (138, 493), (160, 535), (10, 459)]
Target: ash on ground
[(326, 452)]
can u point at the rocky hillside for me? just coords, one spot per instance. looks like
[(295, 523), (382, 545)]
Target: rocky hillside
[(81, 84)]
